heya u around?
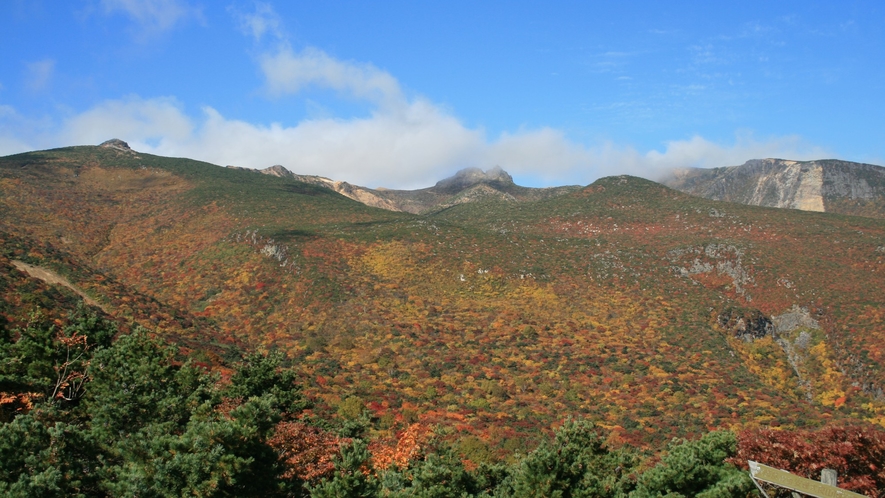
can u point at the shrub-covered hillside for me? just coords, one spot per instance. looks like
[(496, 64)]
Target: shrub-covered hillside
[(649, 313), (90, 412)]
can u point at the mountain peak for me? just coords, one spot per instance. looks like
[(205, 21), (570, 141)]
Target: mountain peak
[(116, 143), (278, 170), (468, 177)]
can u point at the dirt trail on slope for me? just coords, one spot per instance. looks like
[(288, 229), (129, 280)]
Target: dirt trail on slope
[(51, 277)]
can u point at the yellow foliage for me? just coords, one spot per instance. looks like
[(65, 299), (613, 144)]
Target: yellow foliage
[(768, 362), (828, 380)]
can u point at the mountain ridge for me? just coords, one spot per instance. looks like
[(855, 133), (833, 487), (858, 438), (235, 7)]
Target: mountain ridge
[(824, 185), (467, 185)]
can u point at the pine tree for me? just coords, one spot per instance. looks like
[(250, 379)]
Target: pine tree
[(696, 468), (577, 463)]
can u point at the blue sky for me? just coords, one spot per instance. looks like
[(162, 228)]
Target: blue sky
[(401, 94)]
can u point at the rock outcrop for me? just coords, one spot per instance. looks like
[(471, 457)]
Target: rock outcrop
[(827, 185), (117, 144), (277, 170)]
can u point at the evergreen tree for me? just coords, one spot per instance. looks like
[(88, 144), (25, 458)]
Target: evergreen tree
[(26, 464), (160, 434), (576, 463), (349, 479), (259, 374), (696, 468), (439, 475), (146, 425), (50, 363)]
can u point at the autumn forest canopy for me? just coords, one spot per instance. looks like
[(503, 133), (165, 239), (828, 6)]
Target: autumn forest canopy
[(170, 327)]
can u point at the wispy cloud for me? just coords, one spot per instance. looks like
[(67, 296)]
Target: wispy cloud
[(19, 133), (289, 72), (38, 75), (263, 21), (610, 61), (151, 16), (699, 152)]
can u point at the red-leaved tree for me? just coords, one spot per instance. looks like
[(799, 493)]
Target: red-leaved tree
[(856, 453)]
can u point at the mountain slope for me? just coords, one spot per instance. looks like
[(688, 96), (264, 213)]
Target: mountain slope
[(653, 313), (825, 186)]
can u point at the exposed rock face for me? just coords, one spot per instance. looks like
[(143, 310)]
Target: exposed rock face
[(825, 185), (116, 143), (793, 319), (721, 259), (796, 345), (360, 194), (792, 330), (468, 185), (469, 177), (277, 170), (745, 324)]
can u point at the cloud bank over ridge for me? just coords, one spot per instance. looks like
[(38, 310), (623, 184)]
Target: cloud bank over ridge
[(411, 145), (404, 141)]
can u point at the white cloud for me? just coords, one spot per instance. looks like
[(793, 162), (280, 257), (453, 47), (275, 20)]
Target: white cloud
[(701, 153), (410, 148), (39, 74), (10, 145), (151, 15), (545, 153), (405, 149), (18, 133), (263, 21), (288, 72), (403, 143), (9, 142), (159, 121)]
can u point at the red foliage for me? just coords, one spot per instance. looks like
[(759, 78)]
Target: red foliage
[(857, 454), (307, 451)]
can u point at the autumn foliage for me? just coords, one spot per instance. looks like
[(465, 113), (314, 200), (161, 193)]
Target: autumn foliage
[(306, 451), (491, 321), (856, 453), (402, 450)]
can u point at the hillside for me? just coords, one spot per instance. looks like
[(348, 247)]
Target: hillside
[(653, 313), (827, 185)]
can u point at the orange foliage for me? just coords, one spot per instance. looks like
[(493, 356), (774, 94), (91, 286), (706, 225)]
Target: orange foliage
[(18, 403), (408, 446), (307, 451)]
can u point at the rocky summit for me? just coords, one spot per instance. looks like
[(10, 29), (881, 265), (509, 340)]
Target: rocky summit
[(116, 143)]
